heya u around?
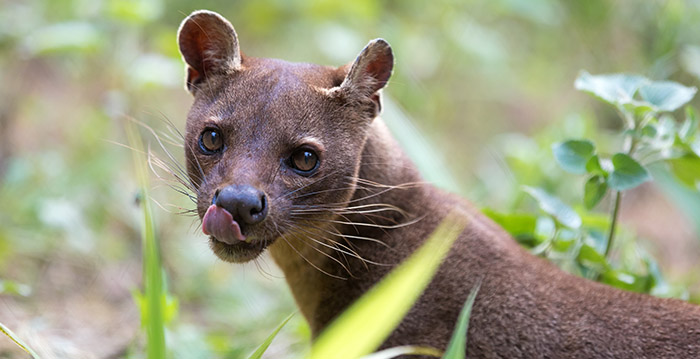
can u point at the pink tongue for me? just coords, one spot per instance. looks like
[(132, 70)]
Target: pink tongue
[(219, 223)]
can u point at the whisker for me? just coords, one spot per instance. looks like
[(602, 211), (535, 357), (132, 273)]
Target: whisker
[(349, 251), (307, 185), (307, 261), (363, 224), (326, 254)]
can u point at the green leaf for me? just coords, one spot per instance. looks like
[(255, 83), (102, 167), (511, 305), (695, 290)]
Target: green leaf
[(649, 131), (590, 257), (666, 95), (457, 348), (564, 240), (596, 221), (594, 190), (617, 89), (687, 170), (263, 347), (555, 207), (9, 287), (594, 167), (404, 350), (366, 324), (572, 155), (627, 173), (545, 228), (514, 223), (625, 280), (5, 330)]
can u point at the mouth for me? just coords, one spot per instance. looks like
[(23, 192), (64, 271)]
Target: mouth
[(219, 223), (227, 240)]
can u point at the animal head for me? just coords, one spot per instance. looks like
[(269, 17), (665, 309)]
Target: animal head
[(272, 147)]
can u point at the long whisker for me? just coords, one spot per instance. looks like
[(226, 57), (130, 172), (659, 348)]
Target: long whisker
[(157, 137), (363, 224), (326, 254), (308, 261), (347, 250), (307, 185)]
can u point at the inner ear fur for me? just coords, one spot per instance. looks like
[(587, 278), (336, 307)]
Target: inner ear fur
[(208, 44), (371, 71)]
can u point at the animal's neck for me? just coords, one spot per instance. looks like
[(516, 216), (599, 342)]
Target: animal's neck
[(388, 193)]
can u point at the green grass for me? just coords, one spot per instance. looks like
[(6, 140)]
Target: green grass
[(258, 353), (152, 301), (458, 343), (369, 321), (5, 330)]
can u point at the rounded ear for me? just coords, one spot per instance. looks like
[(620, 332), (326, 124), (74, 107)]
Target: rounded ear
[(208, 44), (371, 70)]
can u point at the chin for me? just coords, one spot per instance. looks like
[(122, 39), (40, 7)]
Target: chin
[(237, 253)]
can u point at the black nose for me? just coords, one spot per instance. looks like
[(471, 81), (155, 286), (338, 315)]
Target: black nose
[(246, 204)]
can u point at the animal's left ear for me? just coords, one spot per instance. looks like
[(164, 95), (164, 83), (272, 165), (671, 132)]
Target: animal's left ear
[(371, 71)]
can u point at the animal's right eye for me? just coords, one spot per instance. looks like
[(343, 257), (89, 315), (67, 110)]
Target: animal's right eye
[(211, 141)]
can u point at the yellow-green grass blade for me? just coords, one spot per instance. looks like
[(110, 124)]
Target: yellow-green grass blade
[(152, 316), (369, 321), (404, 350), (263, 347), (457, 347), (5, 330)]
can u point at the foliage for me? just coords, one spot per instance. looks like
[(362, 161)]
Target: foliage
[(650, 135), (466, 73)]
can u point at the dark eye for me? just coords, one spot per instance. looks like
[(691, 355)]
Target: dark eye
[(211, 141), (304, 161)]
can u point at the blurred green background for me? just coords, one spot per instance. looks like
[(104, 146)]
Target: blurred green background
[(487, 83)]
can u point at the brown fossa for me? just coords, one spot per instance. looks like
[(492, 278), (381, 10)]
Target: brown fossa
[(292, 157)]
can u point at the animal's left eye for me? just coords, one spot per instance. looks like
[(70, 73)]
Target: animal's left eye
[(304, 161)]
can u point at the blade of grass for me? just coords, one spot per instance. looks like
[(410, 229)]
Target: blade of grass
[(263, 347), (404, 350), (152, 314), (457, 348), (5, 330), (369, 321)]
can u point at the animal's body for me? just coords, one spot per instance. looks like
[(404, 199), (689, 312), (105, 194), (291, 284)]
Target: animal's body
[(293, 158)]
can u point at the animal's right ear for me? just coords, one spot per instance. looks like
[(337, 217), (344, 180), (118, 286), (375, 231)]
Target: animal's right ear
[(209, 45)]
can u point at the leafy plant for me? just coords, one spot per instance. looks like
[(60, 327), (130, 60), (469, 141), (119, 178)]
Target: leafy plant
[(650, 135), (581, 241)]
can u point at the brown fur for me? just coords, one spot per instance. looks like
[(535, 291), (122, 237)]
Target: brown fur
[(317, 226)]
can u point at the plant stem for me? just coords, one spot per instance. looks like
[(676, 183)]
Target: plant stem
[(618, 195), (613, 224)]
